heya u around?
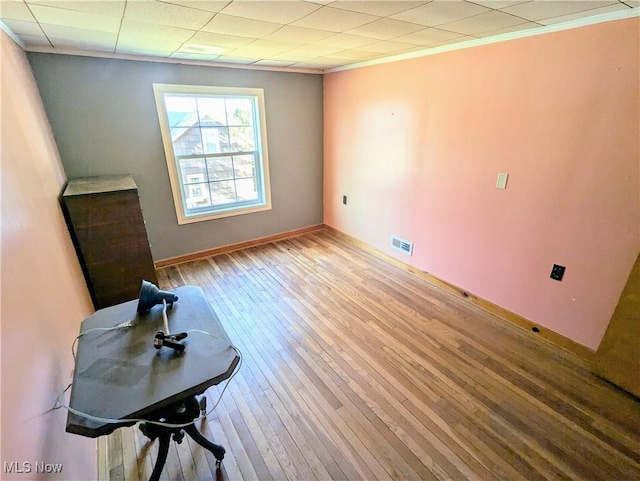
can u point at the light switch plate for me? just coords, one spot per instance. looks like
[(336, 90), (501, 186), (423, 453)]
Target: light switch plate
[(501, 183)]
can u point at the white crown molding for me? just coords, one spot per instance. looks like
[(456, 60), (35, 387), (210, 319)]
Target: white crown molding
[(12, 35), (582, 22), (146, 58)]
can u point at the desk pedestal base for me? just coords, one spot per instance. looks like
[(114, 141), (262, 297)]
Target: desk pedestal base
[(183, 412)]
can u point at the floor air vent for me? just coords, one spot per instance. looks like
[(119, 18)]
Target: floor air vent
[(402, 245)]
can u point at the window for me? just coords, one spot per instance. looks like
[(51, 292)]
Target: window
[(215, 142)]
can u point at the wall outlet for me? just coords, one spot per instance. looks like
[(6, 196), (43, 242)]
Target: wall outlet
[(557, 272), (344, 199), (501, 182)]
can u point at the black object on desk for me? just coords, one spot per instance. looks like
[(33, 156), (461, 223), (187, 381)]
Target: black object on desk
[(120, 375)]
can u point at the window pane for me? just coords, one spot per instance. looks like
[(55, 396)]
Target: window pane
[(177, 137), (223, 192), (197, 195), (186, 141), (240, 111), (212, 111), (192, 171), (220, 168), (181, 110), (246, 189), (242, 139), (244, 166), (215, 139)]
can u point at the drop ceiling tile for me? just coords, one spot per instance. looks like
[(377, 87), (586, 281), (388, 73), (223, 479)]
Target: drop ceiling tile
[(209, 5), (334, 20), (586, 13), (15, 10), (218, 40), (20, 27), (332, 61), (379, 8), (418, 49), (464, 38), (194, 56), (498, 4), (389, 47), (236, 60), (321, 63), (266, 44), (274, 63), (243, 27), (345, 41), (150, 51), (84, 44), (75, 34), (264, 48), (484, 22), (385, 28), (292, 57), (276, 11), (309, 66), (114, 8), (516, 28), (439, 12), (539, 9), (316, 50), (164, 32), (167, 14), (131, 42), (355, 54), (319, 67), (71, 18), (298, 34), (35, 40), (428, 36), (203, 50)]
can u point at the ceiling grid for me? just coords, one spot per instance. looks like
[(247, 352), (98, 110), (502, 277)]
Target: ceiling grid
[(302, 35)]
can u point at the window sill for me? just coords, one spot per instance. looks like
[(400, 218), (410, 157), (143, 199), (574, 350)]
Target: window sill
[(182, 219)]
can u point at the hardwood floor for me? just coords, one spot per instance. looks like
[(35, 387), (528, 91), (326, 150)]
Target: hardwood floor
[(355, 369)]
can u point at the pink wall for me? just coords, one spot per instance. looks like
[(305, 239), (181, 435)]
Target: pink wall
[(44, 296), (417, 146)]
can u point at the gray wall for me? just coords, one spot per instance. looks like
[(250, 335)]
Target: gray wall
[(104, 119)]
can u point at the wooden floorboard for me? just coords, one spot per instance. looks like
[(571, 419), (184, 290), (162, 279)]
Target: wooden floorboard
[(356, 369)]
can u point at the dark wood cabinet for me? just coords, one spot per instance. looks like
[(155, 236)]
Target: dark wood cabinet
[(106, 225)]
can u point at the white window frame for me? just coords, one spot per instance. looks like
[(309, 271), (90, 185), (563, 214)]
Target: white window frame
[(227, 210)]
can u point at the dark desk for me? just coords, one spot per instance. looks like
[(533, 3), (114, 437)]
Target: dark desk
[(120, 375)]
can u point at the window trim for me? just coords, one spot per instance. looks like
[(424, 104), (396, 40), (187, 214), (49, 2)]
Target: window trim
[(159, 91)]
